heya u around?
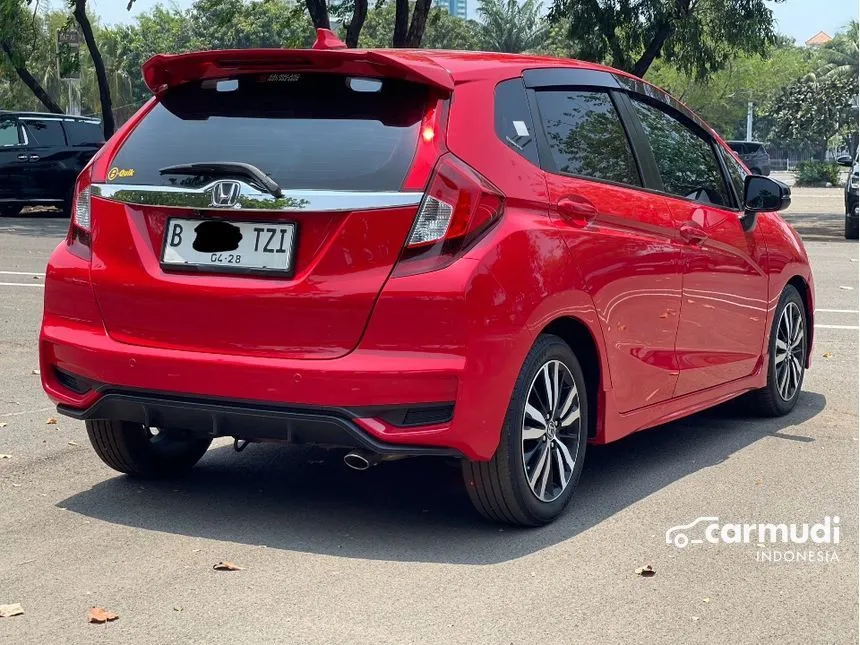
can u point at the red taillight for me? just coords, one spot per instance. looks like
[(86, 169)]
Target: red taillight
[(431, 145), (458, 206), (79, 238)]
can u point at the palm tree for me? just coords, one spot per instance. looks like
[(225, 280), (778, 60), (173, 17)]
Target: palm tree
[(839, 57), (511, 27)]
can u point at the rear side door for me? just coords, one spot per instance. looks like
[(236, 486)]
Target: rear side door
[(622, 239), (16, 184), (49, 162), (722, 327)]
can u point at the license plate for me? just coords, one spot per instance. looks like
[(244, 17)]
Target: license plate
[(221, 245)]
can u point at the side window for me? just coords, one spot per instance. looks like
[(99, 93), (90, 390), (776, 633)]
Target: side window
[(9, 133), (48, 132), (686, 161), (514, 123), (586, 137), (736, 174), (81, 133)]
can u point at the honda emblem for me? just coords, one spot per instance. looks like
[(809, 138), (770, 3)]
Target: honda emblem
[(225, 194)]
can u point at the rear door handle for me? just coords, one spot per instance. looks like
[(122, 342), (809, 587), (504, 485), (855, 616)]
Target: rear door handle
[(693, 233), (576, 210), (22, 157), (34, 157)]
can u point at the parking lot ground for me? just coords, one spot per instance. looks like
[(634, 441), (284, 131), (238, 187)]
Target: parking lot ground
[(396, 555)]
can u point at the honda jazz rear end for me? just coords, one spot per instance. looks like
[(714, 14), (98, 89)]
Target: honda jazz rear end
[(271, 255)]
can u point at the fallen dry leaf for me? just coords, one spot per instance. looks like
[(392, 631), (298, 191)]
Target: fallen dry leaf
[(827, 354), (646, 572), (73, 443), (758, 482), (99, 615), (5, 456), (7, 611), (842, 286), (36, 372), (227, 566), (3, 424), (706, 600), (51, 421)]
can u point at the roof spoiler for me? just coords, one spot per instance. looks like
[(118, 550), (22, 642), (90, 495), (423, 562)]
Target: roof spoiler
[(164, 71)]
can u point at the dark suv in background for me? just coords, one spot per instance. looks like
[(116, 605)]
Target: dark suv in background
[(41, 155), (754, 156)]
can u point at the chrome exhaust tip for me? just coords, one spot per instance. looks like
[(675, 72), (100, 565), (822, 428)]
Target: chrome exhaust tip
[(358, 460)]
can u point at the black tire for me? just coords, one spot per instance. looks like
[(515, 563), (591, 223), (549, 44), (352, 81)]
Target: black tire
[(768, 401), (851, 227), (133, 449), (499, 488)]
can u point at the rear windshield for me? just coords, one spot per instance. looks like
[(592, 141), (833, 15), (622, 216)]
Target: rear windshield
[(306, 131)]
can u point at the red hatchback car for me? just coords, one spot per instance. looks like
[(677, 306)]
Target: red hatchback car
[(499, 258)]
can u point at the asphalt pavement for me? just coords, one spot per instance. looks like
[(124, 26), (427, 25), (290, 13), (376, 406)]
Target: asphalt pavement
[(396, 554)]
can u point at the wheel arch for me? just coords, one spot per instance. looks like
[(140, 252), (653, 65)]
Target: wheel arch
[(582, 341), (802, 286)]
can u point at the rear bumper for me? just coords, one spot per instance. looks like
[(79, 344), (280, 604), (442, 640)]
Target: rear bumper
[(251, 421), (345, 401)]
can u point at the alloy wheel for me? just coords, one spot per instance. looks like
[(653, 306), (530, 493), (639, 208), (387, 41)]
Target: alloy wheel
[(551, 427), (788, 356)]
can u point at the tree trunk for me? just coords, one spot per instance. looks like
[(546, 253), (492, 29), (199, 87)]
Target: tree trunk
[(30, 81), (419, 22), (359, 14), (318, 10), (653, 50), (401, 23), (98, 63)]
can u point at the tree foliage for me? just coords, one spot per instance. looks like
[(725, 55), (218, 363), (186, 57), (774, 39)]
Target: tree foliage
[(508, 26), (443, 31), (696, 36)]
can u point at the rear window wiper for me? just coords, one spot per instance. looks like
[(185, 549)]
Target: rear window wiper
[(227, 169)]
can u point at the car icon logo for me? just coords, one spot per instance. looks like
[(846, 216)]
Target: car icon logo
[(677, 535), (225, 194)]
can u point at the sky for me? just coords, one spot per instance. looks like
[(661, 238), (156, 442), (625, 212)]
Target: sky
[(799, 19)]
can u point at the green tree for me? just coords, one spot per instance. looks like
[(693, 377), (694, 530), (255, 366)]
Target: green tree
[(811, 111), (511, 27), (79, 11), (722, 99), (697, 36), (21, 36), (840, 56), (443, 31)]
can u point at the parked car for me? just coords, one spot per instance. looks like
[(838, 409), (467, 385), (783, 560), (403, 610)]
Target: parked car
[(417, 253), (851, 200), (41, 155), (754, 155)]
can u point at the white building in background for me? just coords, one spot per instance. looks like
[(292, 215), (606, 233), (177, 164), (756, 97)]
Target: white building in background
[(454, 7)]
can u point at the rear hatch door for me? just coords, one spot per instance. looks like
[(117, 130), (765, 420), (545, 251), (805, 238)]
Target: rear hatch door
[(207, 260)]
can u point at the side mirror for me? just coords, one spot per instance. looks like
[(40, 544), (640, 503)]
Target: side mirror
[(845, 160), (762, 194)]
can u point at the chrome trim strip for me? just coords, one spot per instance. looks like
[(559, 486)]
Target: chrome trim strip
[(252, 199)]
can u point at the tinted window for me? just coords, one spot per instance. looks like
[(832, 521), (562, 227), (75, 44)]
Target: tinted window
[(686, 161), (514, 121), (80, 133), (736, 174), (305, 130), (9, 135), (737, 147), (46, 132), (586, 137)]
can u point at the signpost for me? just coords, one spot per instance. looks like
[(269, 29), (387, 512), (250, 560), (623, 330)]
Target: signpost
[(69, 65)]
